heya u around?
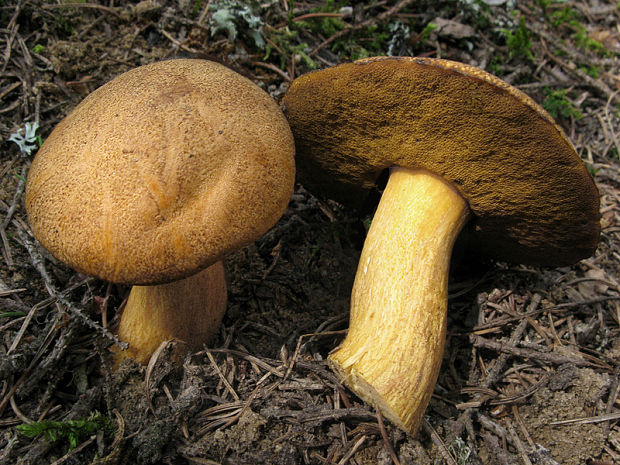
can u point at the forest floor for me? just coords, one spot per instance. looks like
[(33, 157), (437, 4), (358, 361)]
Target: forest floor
[(531, 368)]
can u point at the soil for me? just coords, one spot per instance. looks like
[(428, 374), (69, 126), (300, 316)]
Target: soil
[(531, 368)]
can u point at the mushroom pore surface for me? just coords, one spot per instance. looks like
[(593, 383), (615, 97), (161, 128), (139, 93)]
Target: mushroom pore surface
[(531, 198)]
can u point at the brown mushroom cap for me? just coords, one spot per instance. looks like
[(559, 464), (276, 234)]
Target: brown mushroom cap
[(532, 199), (161, 172)]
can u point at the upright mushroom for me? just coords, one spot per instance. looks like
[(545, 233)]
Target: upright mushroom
[(461, 145), (152, 180)]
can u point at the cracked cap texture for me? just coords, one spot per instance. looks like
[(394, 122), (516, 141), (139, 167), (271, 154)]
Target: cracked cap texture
[(161, 172), (531, 197)]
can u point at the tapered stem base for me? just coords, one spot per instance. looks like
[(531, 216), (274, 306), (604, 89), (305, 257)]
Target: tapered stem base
[(393, 351), (189, 310)]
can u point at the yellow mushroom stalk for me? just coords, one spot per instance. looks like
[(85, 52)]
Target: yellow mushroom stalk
[(153, 314), (393, 350)]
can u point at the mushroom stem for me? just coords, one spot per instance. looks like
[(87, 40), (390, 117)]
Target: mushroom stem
[(189, 310), (393, 351)]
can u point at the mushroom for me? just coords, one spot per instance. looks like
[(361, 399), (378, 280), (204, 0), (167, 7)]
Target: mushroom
[(462, 146), (152, 180)]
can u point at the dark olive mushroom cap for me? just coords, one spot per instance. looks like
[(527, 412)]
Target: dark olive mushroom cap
[(161, 172), (531, 197)]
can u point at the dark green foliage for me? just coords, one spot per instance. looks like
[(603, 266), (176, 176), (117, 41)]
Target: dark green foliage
[(558, 105), (71, 430), (518, 40)]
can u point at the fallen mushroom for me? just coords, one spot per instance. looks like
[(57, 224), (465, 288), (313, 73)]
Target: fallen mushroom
[(152, 180), (462, 146)]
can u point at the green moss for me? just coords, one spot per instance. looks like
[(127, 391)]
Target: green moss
[(571, 17), (583, 40), (495, 64), (544, 4), (565, 15), (426, 33), (518, 40), (71, 430), (558, 105), (591, 71), (12, 314), (284, 43)]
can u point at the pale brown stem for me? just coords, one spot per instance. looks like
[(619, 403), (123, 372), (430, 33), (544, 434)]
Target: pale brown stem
[(393, 351), (189, 310)]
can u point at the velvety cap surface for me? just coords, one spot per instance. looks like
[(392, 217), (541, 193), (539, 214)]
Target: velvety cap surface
[(531, 197), (161, 172)]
